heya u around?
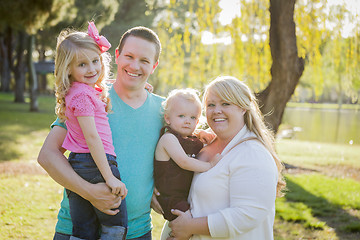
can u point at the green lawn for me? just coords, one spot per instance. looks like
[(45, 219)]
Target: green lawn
[(322, 199)]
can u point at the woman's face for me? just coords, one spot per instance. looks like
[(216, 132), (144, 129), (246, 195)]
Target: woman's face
[(224, 118)]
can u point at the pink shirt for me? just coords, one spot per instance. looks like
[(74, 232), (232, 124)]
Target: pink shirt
[(83, 100)]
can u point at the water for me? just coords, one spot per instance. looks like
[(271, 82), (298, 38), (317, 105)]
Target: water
[(323, 125)]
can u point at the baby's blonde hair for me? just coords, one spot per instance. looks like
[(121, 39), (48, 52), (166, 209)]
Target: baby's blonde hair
[(69, 46), (188, 94), (234, 91)]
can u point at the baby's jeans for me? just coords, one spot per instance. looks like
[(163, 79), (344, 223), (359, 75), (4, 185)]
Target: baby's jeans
[(85, 217)]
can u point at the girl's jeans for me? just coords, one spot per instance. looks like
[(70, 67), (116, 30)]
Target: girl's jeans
[(85, 217)]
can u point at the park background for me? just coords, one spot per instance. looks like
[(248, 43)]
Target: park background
[(300, 57)]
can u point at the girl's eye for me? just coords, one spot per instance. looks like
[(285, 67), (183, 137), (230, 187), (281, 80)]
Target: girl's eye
[(194, 118), (96, 61), (128, 56), (181, 116), (82, 65), (145, 61), (210, 105), (226, 104)]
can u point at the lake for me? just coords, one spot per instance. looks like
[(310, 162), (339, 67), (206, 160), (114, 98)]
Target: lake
[(323, 125)]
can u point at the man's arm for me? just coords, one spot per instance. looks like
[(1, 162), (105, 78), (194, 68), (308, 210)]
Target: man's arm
[(51, 158)]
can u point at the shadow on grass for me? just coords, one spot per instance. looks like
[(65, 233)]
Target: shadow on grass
[(335, 216), (20, 128)]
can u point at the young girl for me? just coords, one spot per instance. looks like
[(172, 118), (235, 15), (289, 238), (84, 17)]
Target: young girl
[(174, 155), (81, 68)]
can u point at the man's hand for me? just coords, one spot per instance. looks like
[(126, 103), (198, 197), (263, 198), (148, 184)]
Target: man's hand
[(155, 205), (102, 198)]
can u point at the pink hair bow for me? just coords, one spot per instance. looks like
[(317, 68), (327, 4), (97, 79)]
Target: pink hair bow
[(100, 40)]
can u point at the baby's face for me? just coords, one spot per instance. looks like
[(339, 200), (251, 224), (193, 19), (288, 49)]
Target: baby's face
[(183, 116)]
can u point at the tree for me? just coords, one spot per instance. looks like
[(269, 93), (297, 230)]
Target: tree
[(28, 18), (286, 68)]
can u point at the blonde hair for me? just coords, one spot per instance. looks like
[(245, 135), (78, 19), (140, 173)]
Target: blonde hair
[(234, 91), (69, 46), (187, 94)]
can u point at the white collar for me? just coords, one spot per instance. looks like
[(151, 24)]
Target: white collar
[(243, 133)]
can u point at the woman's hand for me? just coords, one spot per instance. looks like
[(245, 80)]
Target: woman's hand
[(180, 228), (155, 205), (102, 198)]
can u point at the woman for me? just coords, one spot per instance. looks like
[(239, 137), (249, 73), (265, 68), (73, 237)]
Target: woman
[(236, 198)]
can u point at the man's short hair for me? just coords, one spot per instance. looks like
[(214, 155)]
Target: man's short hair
[(144, 33)]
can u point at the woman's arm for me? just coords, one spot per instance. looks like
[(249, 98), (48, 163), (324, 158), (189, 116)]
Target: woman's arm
[(51, 158), (169, 147), (96, 147)]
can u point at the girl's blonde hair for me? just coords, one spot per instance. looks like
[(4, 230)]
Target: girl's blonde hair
[(187, 94), (69, 46), (234, 91)]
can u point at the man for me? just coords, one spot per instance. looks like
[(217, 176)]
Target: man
[(135, 124)]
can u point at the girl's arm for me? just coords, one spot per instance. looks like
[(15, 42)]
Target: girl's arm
[(51, 158), (170, 147), (95, 145)]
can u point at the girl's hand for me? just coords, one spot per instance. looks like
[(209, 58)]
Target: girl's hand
[(117, 187), (205, 137), (102, 198), (179, 226), (149, 87)]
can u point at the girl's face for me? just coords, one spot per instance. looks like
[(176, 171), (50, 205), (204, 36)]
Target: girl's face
[(224, 118), (183, 116), (86, 67)]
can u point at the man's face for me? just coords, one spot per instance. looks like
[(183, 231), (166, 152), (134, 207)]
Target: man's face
[(135, 62)]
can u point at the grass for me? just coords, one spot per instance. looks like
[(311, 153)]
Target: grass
[(322, 200), (329, 106)]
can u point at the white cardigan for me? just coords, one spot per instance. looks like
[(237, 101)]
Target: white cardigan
[(238, 194)]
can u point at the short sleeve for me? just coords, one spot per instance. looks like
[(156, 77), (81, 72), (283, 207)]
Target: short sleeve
[(59, 123), (82, 104)]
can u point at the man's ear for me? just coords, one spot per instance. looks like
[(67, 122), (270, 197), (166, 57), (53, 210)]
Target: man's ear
[(154, 67), (116, 55)]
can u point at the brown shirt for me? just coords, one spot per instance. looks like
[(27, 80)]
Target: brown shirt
[(173, 182)]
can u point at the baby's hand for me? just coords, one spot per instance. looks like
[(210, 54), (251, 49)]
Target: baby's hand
[(215, 159), (117, 187), (205, 137)]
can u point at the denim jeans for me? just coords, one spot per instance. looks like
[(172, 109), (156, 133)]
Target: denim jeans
[(85, 217)]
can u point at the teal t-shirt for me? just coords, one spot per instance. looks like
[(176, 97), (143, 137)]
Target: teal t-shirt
[(135, 133)]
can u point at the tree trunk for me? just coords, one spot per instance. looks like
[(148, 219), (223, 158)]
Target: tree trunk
[(5, 59), (286, 68), (20, 69), (42, 78), (33, 84)]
